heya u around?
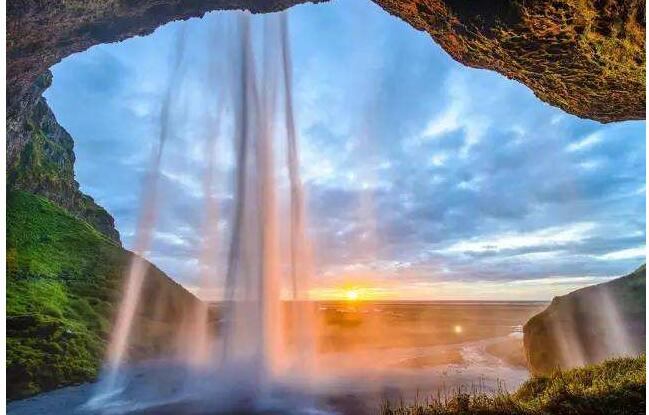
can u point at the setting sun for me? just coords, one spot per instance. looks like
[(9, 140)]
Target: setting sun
[(351, 295)]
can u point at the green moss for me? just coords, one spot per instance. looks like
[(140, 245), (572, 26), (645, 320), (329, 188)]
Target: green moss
[(42, 161), (62, 279), (45, 166), (46, 241), (616, 386)]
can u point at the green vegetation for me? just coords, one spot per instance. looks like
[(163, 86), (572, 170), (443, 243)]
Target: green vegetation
[(62, 279), (616, 386), (44, 165), (44, 161)]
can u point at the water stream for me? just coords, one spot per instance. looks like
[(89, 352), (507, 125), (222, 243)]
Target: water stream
[(251, 359)]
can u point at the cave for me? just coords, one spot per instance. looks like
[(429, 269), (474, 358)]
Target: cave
[(585, 62), (557, 49)]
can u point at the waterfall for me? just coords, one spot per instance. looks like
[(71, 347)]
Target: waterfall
[(252, 351), (144, 231)]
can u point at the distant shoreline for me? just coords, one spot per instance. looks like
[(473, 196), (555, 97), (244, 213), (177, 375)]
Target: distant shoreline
[(418, 302)]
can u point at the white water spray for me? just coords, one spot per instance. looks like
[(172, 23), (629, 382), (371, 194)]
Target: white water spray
[(138, 268), (251, 351)]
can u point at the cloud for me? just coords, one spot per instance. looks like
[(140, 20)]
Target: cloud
[(543, 238), (589, 141), (417, 169), (639, 253)]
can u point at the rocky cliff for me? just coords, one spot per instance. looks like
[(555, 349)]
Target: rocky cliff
[(586, 57), (589, 325), (40, 159), (65, 265)]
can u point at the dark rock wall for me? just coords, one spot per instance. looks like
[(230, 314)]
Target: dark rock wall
[(40, 159), (42, 32), (589, 325), (586, 57)]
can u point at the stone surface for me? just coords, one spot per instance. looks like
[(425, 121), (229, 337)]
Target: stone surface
[(40, 159), (586, 57), (42, 32), (589, 325)]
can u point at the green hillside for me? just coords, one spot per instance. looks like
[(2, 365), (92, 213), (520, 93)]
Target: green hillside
[(63, 282)]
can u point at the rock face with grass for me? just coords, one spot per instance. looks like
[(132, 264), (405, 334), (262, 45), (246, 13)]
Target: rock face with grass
[(65, 264), (40, 160), (64, 282), (586, 57), (589, 325)]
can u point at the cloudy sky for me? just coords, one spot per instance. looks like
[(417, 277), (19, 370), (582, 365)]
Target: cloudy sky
[(425, 179)]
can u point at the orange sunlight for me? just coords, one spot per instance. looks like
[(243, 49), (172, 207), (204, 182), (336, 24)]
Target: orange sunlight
[(352, 295)]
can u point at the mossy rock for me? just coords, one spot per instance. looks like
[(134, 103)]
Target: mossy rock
[(63, 286)]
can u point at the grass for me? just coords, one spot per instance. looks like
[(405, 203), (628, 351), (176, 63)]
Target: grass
[(43, 161), (45, 166), (62, 279), (614, 387)]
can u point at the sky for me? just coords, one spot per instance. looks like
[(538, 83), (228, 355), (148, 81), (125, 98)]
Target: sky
[(425, 179)]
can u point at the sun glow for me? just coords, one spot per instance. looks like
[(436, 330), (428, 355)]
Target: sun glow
[(351, 295)]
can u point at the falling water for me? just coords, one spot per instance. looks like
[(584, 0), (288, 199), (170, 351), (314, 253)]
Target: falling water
[(252, 291), (251, 352), (194, 342), (138, 267), (299, 246), (297, 208)]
